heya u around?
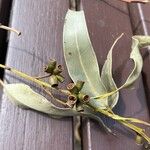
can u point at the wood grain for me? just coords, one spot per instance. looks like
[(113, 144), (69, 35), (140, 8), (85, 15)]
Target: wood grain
[(106, 20), (41, 24)]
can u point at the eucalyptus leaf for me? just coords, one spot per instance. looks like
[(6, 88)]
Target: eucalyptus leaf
[(22, 95), (137, 43), (80, 58), (107, 78)]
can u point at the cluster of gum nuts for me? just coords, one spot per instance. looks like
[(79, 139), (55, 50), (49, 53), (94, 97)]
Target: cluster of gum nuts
[(75, 94)]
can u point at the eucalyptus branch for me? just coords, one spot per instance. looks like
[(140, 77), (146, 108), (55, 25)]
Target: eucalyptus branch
[(33, 79), (127, 122), (42, 77), (138, 130), (25, 76), (10, 29)]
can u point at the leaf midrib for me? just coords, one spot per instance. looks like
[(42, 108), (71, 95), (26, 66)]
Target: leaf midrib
[(83, 68)]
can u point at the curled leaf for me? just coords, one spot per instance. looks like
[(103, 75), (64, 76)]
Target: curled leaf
[(137, 43), (107, 78)]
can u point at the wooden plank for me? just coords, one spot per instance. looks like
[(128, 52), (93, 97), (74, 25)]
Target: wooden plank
[(106, 20), (140, 18), (41, 24), (5, 7)]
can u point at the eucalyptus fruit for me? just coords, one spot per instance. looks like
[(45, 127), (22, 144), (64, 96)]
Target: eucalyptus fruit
[(54, 72)]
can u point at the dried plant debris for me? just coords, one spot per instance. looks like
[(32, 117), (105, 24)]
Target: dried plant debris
[(10, 29), (90, 93)]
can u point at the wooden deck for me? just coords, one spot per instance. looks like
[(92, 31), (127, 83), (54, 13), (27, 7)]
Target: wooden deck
[(41, 24)]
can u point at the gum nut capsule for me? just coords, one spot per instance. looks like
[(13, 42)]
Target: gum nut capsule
[(83, 97), (53, 81), (72, 99), (57, 70), (51, 66), (72, 88), (60, 78)]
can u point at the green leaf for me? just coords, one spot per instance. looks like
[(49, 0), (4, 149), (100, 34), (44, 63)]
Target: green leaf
[(22, 95), (137, 43), (80, 58), (107, 78)]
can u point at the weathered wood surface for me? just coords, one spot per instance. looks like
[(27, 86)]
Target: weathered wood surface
[(41, 24)]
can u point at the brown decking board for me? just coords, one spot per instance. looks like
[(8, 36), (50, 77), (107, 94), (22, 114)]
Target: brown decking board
[(41, 24)]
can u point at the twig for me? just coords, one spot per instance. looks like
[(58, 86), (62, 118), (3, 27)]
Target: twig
[(10, 29), (33, 79), (41, 77)]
